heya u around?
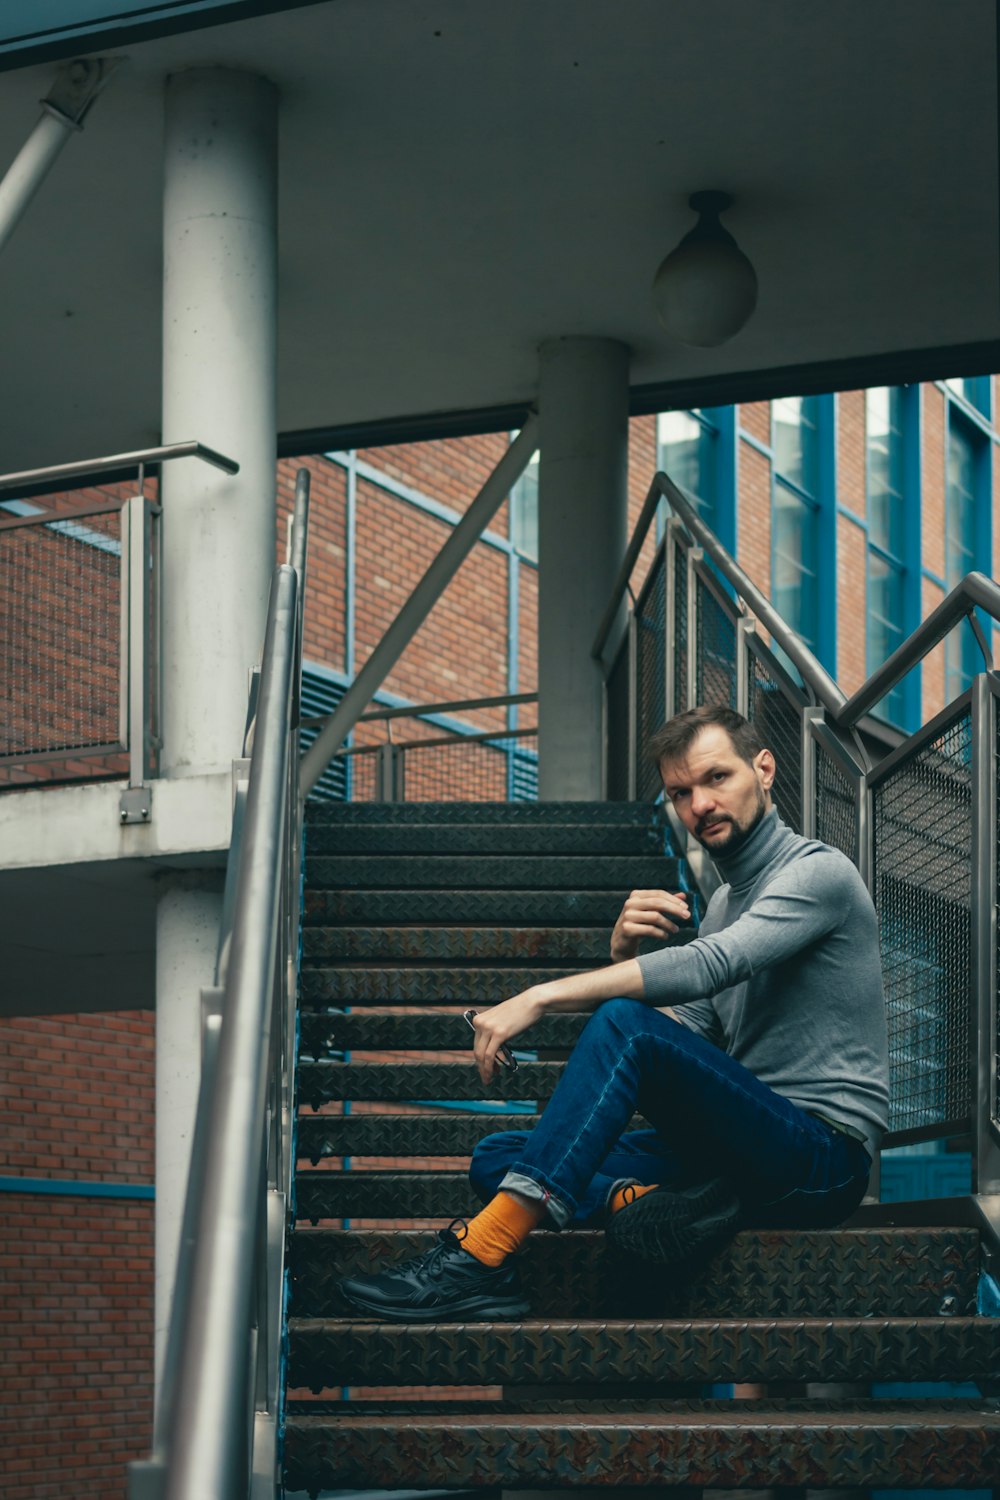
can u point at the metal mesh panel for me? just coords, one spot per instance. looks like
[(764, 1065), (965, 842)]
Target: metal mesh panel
[(60, 648), (715, 651), (923, 885), (650, 643), (779, 722), (680, 629), (462, 771), (836, 806), (996, 1106), (617, 726)]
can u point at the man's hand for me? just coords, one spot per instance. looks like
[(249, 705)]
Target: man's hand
[(499, 1024), (647, 914)]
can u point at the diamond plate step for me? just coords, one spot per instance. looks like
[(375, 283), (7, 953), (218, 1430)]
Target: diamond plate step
[(418, 1134), (488, 908), (322, 1033), (403, 986), (718, 1444), (324, 1353), (573, 945), (591, 814), (323, 1082), (450, 1134), (912, 1273), (327, 1194), (487, 838), (447, 871)]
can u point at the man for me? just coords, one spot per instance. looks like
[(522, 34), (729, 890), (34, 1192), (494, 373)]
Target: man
[(758, 1053)]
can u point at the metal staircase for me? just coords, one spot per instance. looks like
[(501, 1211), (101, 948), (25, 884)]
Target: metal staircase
[(610, 1380)]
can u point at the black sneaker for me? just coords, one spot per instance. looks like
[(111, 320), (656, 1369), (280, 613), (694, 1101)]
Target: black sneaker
[(443, 1284), (671, 1225)]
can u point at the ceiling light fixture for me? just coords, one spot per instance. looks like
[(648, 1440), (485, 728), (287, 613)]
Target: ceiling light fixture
[(706, 288)]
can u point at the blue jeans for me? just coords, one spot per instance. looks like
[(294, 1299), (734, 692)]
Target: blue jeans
[(711, 1117)]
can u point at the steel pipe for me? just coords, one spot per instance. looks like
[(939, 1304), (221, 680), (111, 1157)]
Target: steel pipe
[(140, 458)]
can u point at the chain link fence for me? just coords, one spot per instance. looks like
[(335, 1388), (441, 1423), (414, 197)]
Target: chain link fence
[(923, 893), (715, 649), (61, 644), (775, 708), (836, 806)]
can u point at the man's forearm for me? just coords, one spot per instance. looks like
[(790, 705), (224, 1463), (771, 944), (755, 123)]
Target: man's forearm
[(588, 991)]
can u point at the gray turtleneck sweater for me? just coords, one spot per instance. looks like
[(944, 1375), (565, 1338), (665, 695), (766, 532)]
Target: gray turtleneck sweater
[(785, 977)]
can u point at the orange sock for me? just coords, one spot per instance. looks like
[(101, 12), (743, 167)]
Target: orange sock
[(501, 1228), (629, 1193)]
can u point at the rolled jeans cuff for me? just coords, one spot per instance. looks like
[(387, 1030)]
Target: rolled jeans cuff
[(527, 1187)]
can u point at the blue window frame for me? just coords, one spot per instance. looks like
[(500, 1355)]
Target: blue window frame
[(697, 449), (892, 483), (966, 535), (803, 520)]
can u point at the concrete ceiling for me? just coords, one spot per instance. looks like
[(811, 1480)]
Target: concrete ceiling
[(460, 181)]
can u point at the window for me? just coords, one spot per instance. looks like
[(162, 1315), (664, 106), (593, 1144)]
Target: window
[(973, 389), (795, 515), (888, 613), (524, 511), (967, 449), (686, 443)]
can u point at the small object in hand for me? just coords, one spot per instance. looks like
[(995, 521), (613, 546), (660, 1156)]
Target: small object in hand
[(504, 1055)]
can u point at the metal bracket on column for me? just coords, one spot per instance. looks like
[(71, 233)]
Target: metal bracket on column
[(136, 805)]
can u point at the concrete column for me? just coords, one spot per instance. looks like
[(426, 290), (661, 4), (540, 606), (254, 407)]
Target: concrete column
[(582, 534), (188, 909), (219, 353)]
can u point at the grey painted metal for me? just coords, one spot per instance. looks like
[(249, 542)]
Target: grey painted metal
[(814, 674), (744, 627), (62, 517), (983, 979), (76, 87), (419, 605), (809, 718), (503, 700), (113, 463), (143, 674)]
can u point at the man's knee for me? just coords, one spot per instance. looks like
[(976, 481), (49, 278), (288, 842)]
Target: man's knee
[(621, 1016)]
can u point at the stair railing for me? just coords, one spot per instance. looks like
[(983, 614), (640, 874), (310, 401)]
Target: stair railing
[(920, 822), (217, 1426), (454, 773)]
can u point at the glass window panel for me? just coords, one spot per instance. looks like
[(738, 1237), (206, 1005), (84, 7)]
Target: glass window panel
[(886, 501), (794, 437), (795, 561), (687, 454), (524, 511)]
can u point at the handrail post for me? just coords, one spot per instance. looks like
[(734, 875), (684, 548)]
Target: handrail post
[(138, 519), (983, 978), (694, 554), (669, 613), (633, 708)]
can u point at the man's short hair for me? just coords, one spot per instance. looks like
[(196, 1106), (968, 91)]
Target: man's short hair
[(678, 734)]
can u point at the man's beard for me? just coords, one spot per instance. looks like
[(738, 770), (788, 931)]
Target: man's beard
[(739, 834)]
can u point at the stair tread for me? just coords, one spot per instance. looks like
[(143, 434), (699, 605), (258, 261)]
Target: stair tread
[(578, 872), (473, 904), (728, 1444), (483, 812), (634, 839), (421, 941)]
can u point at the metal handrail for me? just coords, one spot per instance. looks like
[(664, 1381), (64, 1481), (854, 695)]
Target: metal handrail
[(401, 746), (812, 671), (975, 591), (140, 458), (420, 710), (210, 1443)]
